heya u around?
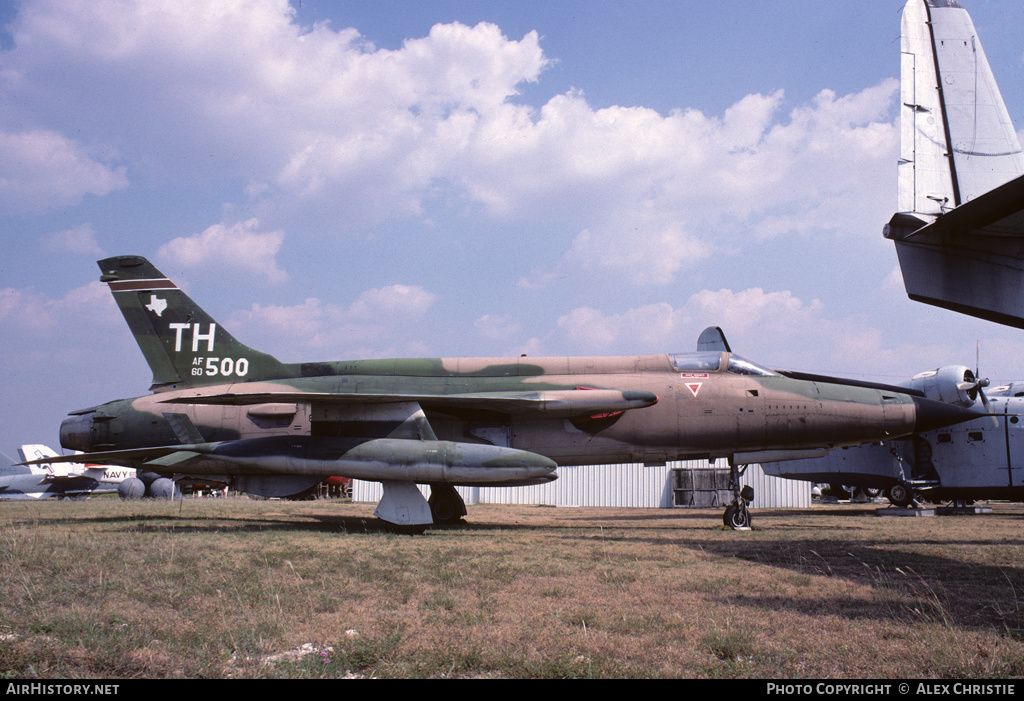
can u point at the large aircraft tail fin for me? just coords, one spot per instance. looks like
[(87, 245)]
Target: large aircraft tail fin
[(183, 345), (959, 227), (956, 138)]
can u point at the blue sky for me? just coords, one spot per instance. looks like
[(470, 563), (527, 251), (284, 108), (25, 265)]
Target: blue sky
[(348, 179)]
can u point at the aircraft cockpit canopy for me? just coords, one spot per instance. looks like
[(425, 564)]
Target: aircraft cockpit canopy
[(711, 361), (701, 361)]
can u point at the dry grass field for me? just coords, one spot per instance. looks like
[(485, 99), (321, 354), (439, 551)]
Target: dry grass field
[(240, 588)]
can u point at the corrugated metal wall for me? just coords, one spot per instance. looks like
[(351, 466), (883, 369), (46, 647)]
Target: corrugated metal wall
[(626, 485), (630, 484), (776, 492)]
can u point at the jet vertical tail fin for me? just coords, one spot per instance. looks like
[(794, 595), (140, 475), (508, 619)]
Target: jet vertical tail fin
[(712, 339), (959, 228), (183, 345), (7, 466)]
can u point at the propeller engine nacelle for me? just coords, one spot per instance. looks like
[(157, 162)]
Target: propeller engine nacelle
[(952, 384), (1014, 389)]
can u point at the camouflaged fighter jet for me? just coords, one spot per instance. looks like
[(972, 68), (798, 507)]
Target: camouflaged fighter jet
[(219, 409)]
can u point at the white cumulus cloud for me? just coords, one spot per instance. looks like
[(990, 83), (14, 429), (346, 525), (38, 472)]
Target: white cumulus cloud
[(237, 246), (41, 170)]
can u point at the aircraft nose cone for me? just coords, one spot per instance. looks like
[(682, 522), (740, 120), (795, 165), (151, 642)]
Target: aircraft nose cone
[(931, 414)]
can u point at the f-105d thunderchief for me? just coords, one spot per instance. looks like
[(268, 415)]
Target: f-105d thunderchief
[(219, 409)]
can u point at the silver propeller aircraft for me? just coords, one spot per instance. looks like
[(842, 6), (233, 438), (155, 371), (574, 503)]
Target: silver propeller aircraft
[(221, 410), (959, 236), (959, 228), (978, 459)]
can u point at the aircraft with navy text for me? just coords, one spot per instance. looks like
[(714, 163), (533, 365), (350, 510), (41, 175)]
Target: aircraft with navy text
[(51, 479), (219, 409)]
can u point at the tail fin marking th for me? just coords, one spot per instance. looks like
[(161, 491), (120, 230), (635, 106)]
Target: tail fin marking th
[(183, 345)]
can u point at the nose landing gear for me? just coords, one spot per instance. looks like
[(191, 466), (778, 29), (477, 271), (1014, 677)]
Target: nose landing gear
[(737, 513)]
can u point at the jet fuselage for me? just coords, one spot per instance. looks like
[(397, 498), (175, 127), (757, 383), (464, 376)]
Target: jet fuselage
[(222, 409), (699, 405)]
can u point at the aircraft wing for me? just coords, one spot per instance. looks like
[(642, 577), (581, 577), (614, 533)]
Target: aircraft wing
[(546, 403), (959, 229)]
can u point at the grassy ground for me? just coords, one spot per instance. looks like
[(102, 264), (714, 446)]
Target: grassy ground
[(240, 588)]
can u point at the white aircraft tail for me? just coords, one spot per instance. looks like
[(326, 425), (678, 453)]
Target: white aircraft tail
[(956, 138), (959, 225), (41, 452)]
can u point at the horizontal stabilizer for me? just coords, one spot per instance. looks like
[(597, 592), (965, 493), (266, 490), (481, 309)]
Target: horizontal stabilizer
[(998, 214), (969, 260)]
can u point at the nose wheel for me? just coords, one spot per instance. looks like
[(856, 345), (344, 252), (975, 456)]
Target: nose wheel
[(736, 516), (737, 513)]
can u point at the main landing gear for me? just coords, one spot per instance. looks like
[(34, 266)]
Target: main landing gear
[(404, 510), (737, 513), (901, 494), (446, 506)]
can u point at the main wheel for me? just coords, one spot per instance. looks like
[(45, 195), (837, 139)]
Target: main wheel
[(736, 516), (444, 511), (164, 488), (900, 494), (446, 506)]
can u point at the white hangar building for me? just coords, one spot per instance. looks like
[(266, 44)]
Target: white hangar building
[(688, 483)]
